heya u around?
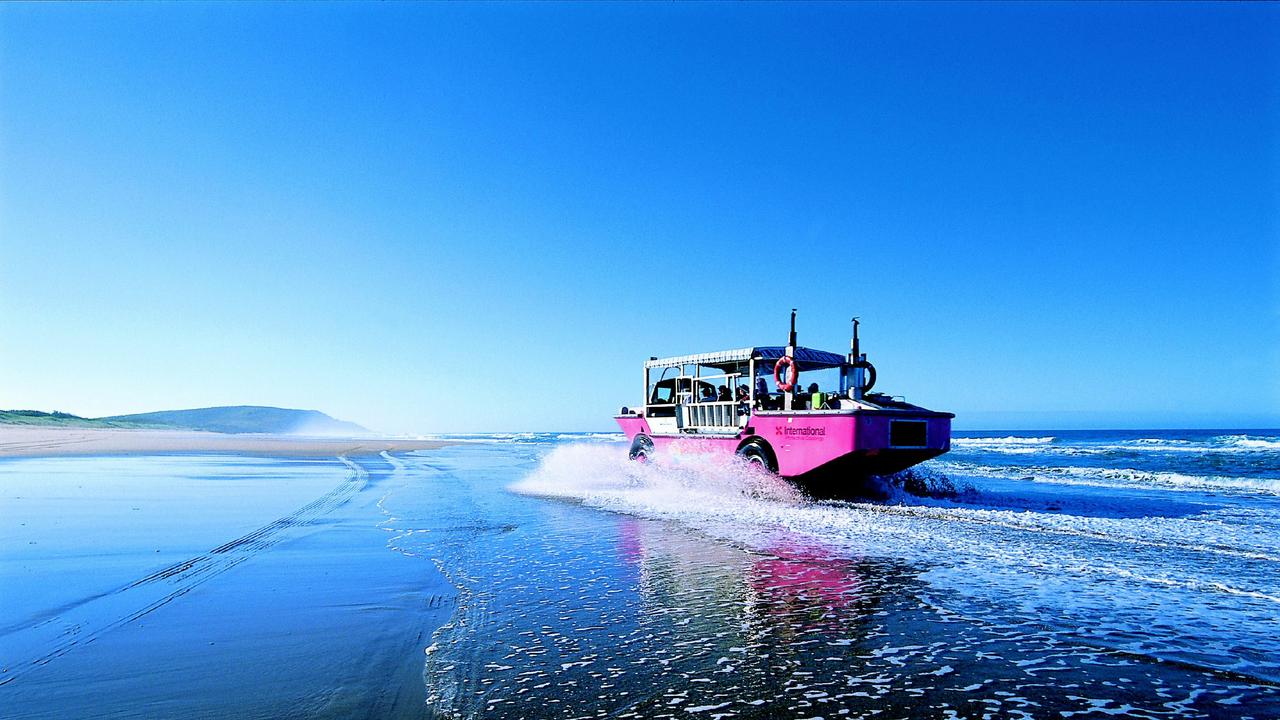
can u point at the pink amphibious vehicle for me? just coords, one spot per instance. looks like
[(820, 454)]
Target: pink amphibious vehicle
[(722, 401)]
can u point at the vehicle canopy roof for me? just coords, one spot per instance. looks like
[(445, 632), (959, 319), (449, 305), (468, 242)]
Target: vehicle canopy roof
[(806, 358)]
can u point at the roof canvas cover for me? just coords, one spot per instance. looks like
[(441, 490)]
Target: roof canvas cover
[(806, 358)]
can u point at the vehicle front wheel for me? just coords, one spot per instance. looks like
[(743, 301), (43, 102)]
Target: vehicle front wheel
[(641, 449), (757, 454)]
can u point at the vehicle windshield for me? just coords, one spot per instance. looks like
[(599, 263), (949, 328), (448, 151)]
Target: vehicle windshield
[(692, 384)]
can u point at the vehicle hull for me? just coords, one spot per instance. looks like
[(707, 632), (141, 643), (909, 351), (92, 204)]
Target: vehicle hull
[(830, 444)]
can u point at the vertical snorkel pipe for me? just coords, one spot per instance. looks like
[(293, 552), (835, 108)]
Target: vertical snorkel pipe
[(858, 361), (791, 339), (854, 353), (853, 344), (791, 353)]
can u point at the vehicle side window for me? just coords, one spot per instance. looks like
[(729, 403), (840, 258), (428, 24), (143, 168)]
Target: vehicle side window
[(663, 393)]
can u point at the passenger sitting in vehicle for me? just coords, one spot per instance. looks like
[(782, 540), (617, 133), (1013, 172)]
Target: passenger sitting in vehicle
[(762, 394), (799, 398), (722, 394), (743, 399), (815, 397), (708, 395)]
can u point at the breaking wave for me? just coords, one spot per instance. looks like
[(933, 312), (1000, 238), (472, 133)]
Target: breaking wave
[(1007, 440), (1249, 442), (1236, 447), (1112, 477), (527, 438), (593, 437)]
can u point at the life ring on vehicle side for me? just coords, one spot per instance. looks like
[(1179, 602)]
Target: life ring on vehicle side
[(793, 373)]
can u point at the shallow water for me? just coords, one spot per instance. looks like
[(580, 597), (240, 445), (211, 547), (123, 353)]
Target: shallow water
[(740, 598), (543, 575), (208, 586)]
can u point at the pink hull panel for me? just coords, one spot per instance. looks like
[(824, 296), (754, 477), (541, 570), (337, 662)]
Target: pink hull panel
[(632, 425), (802, 443)]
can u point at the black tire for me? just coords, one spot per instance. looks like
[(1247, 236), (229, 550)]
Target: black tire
[(641, 449), (757, 453)]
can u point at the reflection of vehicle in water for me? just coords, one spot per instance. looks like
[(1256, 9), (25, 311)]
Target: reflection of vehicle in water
[(721, 400), (771, 595), (811, 586)]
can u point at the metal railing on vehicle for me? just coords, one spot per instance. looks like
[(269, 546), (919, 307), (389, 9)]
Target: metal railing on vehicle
[(713, 415)]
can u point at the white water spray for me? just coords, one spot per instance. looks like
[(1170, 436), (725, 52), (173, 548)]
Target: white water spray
[(677, 479)]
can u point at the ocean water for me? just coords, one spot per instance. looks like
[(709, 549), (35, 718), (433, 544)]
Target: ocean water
[(1080, 574)]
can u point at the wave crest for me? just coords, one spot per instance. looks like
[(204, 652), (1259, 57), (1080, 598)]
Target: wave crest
[(1250, 442)]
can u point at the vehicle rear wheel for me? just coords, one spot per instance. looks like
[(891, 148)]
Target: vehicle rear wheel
[(757, 454), (641, 449)]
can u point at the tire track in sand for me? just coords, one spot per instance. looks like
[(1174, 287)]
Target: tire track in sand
[(38, 641)]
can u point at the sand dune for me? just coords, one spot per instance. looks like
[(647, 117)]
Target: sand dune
[(28, 441)]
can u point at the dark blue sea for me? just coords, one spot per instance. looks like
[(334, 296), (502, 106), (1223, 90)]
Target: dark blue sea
[(1071, 575)]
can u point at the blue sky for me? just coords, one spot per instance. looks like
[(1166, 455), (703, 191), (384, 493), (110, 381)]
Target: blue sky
[(428, 218)]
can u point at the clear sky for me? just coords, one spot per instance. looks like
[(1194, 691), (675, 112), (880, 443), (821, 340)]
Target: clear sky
[(430, 218)]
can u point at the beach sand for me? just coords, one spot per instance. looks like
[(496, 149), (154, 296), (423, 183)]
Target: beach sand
[(32, 441)]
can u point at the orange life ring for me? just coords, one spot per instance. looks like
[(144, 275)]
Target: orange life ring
[(792, 375)]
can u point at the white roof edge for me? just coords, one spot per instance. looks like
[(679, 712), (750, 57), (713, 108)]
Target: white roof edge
[(721, 356)]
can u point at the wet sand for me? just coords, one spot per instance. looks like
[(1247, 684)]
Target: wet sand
[(31, 441), (210, 586)]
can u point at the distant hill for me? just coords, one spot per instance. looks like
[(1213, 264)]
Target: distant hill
[(235, 419), (247, 419), (61, 419)]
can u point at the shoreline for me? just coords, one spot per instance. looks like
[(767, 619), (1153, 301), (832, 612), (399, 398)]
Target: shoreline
[(17, 441)]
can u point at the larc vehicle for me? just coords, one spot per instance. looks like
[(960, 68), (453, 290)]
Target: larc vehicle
[(722, 401)]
